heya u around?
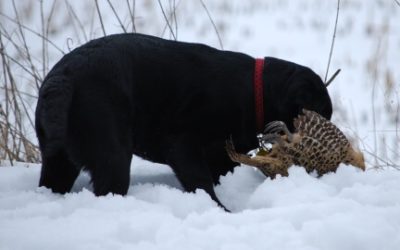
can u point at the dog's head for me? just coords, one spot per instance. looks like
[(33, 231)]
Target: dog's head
[(289, 88)]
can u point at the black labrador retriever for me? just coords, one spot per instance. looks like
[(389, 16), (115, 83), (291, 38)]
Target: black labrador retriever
[(169, 102)]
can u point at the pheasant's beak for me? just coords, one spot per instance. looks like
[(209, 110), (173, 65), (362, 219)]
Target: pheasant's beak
[(361, 165), (357, 159)]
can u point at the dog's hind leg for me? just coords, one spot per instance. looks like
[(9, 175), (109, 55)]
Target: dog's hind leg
[(111, 173), (109, 157), (101, 133), (58, 173)]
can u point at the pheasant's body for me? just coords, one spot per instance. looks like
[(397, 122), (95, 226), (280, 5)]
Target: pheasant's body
[(317, 145)]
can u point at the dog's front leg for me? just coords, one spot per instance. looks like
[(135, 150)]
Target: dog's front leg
[(186, 159)]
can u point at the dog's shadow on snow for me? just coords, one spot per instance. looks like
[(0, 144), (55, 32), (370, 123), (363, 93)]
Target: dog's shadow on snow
[(168, 179), (142, 172)]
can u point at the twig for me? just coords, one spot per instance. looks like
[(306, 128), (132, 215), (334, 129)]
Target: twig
[(3, 32), (367, 149), (100, 17), (93, 12), (33, 74), (374, 86), (5, 131), (15, 92), (386, 163), (174, 17), (13, 154), (43, 42), (46, 35), (397, 2), (72, 13), (12, 103), (333, 40), (22, 92), (332, 78), (116, 15), (132, 14), (33, 32), (213, 24), (397, 118), (70, 43), (28, 54), (171, 17), (166, 20)]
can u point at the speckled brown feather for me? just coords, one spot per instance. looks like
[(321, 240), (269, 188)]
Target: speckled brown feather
[(275, 163), (317, 145)]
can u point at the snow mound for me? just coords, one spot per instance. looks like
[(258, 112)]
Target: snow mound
[(348, 209)]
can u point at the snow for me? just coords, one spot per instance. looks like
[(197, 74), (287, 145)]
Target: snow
[(349, 209)]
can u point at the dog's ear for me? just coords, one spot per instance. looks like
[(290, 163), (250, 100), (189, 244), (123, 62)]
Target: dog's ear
[(289, 88), (307, 91)]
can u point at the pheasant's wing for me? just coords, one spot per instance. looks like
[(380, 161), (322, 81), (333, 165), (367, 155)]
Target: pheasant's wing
[(313, 125), (315, 155)]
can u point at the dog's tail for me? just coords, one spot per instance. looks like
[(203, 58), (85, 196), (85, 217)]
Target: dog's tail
[(55, 96)]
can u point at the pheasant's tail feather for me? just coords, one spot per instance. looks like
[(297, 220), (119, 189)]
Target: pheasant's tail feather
[(230, 150), (268, 165), (237, 157)]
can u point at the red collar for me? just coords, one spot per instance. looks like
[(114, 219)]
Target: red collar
[(259, 93)]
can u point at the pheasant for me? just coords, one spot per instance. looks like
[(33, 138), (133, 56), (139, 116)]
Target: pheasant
[(317, 144)]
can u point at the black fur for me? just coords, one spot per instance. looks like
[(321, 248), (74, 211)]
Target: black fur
[(168, 102)]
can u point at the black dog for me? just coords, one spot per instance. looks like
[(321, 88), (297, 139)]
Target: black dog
[(168, 102)]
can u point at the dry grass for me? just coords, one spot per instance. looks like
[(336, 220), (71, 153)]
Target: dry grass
[(18, 61), (23, 70)]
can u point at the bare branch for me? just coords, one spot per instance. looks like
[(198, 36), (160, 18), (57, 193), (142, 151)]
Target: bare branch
[(116, 15), (333, 40), (132, 14), (43, 41), (332, 78), (213, 24), (21, 32), (166, 20), (22, 92), (174, 16), (33, 32), (100, 17), (72, 13), (27, 70)]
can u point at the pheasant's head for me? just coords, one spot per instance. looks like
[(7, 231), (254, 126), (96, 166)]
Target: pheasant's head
[(355, 158)]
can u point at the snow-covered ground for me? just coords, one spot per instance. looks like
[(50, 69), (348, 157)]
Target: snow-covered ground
[(347, 210)]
